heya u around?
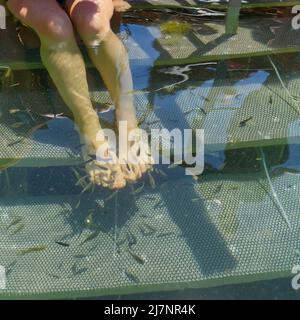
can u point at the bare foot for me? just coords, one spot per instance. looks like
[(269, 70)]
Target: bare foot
[(102, 163), (106, 171), (138, 159)]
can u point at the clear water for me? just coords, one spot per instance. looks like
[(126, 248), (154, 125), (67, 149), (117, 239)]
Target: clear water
[(282, 157)]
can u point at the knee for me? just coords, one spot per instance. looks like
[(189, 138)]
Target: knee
[(54, 26), (92, 27)]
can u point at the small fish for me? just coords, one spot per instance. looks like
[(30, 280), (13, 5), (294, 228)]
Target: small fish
[(138, 190), (12, 264), (90, 237), (137, 258), (162, 172), (14, 85), (243, 123), (120, 242), (63, 244), (105, 107), (203, 111), (92, 157), (65, 209), (87, 187), (78, 204), (166, 234), (233, 188), (219, 188), (131, 276), (12, 111), (16, 125), (174, 165), (33, 249), (111, 196), (160, 204), (10, 267), (151, 228), (62, 213), (28, 134), (14, 222), (187, 112), (53, 116), (21, 227), (143, 215), (81, 181), (6, 68), (151, 180), (77, 270), (131, 238), (76, 173)]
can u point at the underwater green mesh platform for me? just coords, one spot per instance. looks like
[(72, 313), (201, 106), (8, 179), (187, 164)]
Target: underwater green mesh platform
[(207, 42), (211, 233), (255, 111), (46, 147), (254, 37), (270, 114), (27, 143)]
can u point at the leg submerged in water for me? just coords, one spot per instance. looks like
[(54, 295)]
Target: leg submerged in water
[(108, 54), (63, 60)]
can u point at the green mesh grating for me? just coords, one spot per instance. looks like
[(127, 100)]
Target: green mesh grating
[(207, 42), (254, 37), (52, 144), (273, 115), (217, 106), (201, 237), (46, 147)]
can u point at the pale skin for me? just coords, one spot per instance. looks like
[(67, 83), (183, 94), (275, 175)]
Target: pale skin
[(55, 26)]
